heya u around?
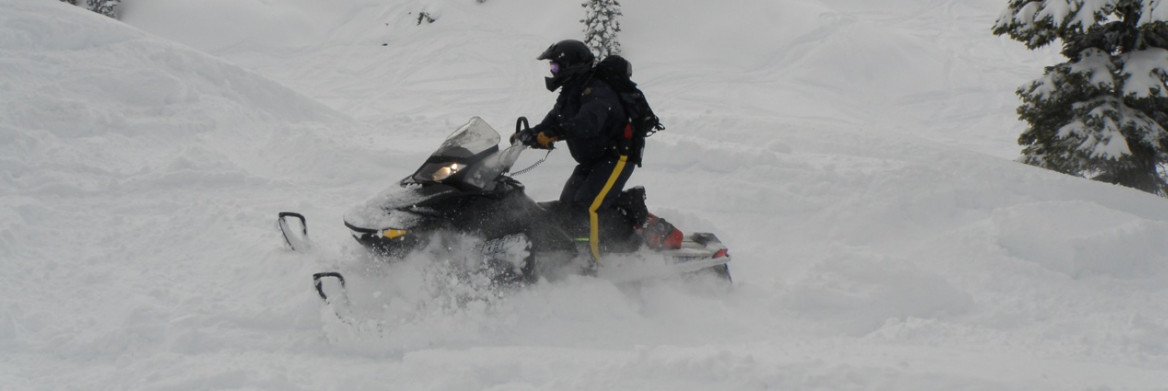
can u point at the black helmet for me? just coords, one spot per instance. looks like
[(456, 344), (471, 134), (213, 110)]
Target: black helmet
[(568, 52), (571, 58)]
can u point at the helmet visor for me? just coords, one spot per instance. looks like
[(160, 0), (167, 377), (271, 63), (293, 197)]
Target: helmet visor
[(555, 67)]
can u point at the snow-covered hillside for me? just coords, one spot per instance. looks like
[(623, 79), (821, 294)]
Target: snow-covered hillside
[(855, 157)]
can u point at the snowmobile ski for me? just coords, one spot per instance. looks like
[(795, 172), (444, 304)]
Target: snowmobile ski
[(334, 296), (318, 280), (330, 286), (296, 239)]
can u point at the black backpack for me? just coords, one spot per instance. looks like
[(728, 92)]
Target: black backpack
[(615, 71)]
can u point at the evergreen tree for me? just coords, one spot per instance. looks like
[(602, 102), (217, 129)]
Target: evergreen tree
[(1102, 114), (104, 7), (601, 27)]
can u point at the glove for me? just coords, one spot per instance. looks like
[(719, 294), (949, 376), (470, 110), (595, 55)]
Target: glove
[(534, 138), (544, 141)]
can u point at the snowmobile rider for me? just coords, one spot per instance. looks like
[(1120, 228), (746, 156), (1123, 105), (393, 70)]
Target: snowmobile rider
[(588, 116)]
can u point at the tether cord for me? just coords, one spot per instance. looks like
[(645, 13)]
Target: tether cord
[(533, 166)]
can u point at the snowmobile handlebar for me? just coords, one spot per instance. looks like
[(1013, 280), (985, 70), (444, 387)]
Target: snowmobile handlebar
[(521, 125)]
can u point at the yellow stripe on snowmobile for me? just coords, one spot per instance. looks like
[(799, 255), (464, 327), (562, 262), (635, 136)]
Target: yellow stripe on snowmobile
[(593, 218)]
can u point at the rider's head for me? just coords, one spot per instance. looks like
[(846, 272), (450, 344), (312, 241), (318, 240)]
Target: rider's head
[(568, 58)]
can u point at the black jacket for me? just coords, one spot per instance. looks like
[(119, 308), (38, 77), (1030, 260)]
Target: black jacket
[(589, 117)]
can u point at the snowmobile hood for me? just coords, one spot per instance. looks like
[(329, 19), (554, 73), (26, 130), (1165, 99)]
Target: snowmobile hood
[(396, 207)]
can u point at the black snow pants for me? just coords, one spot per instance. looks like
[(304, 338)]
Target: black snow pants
[(592, 191)]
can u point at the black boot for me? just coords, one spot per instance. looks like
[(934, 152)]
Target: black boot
[(631, 204)]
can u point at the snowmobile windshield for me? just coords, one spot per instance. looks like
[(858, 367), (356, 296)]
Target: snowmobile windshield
[(469, 157), (468, 141)]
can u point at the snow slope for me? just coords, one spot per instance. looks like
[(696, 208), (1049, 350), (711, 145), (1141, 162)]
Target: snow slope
[(854, 157)]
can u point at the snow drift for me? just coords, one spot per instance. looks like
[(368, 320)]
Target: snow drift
[(882, 239)]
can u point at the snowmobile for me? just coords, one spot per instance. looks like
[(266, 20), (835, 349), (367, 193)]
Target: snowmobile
[(463, 190)]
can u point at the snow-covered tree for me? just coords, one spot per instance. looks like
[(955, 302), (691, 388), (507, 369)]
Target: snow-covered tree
[(104, 7), (601, 26), (1102, 114)]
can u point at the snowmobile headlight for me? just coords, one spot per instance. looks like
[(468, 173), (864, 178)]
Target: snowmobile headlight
[(391, 233), (446, 171)]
